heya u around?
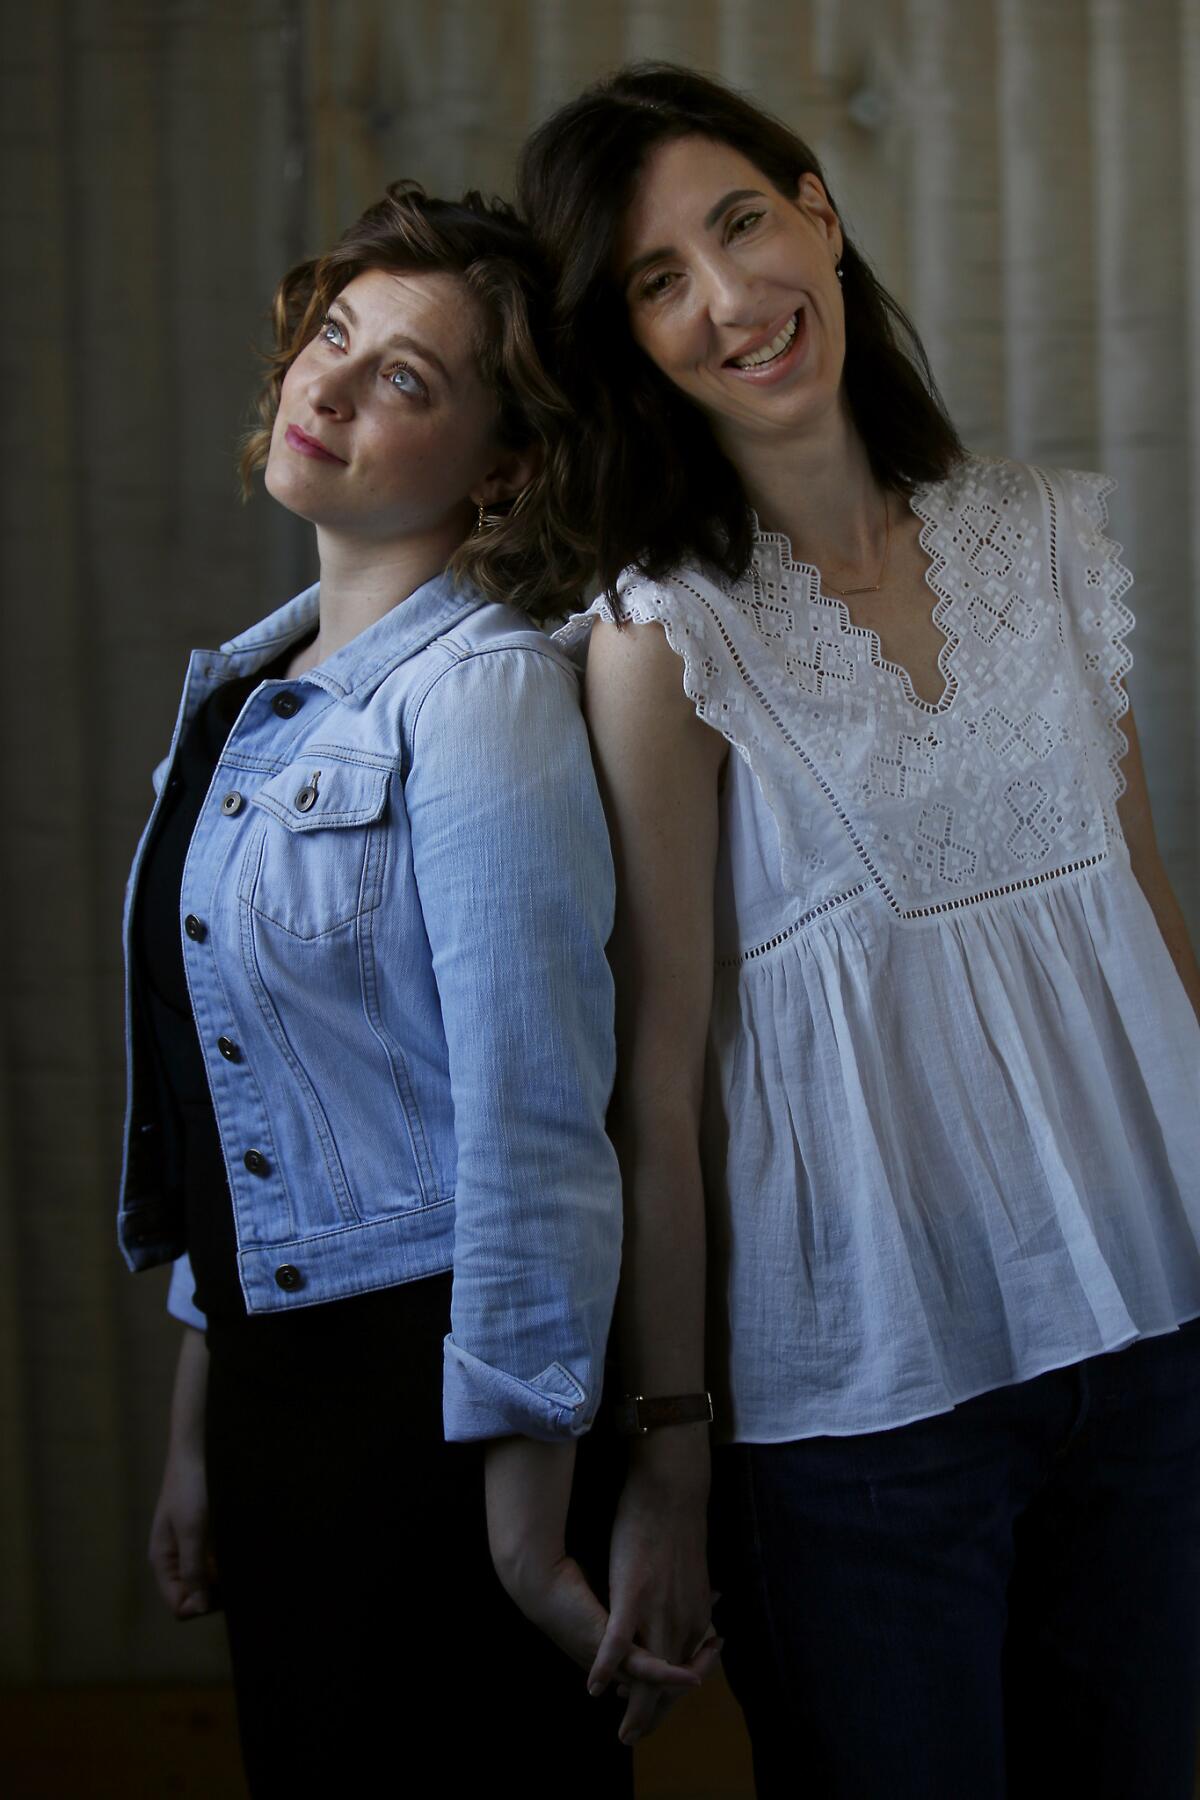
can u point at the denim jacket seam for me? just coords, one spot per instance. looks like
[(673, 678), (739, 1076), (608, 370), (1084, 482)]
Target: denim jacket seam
[(380, 762), (354, 815), (273, 1246), (371, 677), (324, 1135), (559, 1402), (398, 1066), (437, 675), (572, 1382), (474, 653)]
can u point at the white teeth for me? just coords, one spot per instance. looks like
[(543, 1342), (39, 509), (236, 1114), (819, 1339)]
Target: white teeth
[(769, 351)]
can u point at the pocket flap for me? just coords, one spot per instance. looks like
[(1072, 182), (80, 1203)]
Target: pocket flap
[(320, 794)]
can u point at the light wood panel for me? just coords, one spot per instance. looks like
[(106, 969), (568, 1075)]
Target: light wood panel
[(1025, 175)]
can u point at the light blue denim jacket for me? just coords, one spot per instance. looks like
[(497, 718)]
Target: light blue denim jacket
[(394, 909)]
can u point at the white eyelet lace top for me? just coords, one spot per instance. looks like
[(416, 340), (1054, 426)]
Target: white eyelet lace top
[(952, 1122)]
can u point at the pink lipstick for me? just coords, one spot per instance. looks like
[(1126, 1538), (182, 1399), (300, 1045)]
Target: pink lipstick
[(310, 446), (769, 368)]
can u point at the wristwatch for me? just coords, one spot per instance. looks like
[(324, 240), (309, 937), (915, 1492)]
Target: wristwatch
[(636, 1414)]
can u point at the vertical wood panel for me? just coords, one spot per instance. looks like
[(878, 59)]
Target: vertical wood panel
[(439, 92), (573, 45), (682, 31), (854, 118), (1026, 176), (765, 49), (1189, 87), (1143, 436), (20, 1659), (132, 229), (36, 501), (1049, 291), (63, 1239), (181, 561), (955, 223)]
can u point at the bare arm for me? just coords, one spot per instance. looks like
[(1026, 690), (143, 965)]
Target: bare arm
[(659, 768), (1138, 825), (179, 1552), (528, 1492)]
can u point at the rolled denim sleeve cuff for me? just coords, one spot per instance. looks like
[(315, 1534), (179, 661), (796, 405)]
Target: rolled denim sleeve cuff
[(480, 1401), (180, 1303)]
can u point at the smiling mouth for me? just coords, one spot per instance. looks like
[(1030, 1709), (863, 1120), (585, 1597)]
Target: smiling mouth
[(310, 446), (768, 353)]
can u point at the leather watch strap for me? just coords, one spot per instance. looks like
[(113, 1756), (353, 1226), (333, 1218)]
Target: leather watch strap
[(637, 1414)]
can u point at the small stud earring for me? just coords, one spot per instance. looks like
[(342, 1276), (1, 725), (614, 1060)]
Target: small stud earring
[(840, 272)]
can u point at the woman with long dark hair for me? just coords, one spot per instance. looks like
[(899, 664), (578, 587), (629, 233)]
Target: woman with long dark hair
[(907, 1045), (370, 1051)]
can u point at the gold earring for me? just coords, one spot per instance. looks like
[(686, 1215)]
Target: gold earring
[(481, 519)]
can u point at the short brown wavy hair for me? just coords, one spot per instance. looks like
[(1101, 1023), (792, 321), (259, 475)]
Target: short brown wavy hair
[(524, 555)]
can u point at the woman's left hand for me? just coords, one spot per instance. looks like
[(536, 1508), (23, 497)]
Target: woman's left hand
[(658, 1574), (528, 1492)]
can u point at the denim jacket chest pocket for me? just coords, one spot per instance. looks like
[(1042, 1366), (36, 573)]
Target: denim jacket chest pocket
[(315, 861)]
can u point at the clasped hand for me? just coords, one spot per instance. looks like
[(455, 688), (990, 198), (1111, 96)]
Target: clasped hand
[(656, 1643)]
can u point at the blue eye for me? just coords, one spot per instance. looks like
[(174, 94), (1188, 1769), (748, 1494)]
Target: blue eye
[(405, 380), (333, 334)]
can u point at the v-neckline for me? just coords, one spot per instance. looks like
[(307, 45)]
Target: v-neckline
[(935, 563)]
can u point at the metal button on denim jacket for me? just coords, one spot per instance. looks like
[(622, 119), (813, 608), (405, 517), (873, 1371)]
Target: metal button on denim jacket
[(401, 926)]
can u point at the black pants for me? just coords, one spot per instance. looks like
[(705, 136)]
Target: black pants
[(373, 1647)]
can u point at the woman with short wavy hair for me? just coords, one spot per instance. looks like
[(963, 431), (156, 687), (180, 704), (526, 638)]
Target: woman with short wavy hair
[(370, 1050)]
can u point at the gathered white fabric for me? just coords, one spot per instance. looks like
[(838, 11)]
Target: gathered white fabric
[(952, 1117)]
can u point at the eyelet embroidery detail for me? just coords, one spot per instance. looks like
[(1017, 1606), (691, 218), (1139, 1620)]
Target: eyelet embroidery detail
[(1013, 615), (840, 643), (908, 769), (936, 849), (1037, 820), (1100, 631), (1030, 738), (1008, 782)]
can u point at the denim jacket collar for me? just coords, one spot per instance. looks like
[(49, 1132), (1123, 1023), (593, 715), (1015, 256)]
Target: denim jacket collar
[(357, 667)]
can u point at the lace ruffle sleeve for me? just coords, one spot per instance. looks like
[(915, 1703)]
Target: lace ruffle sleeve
[(1096, 622), (701, 616), (689, 612)]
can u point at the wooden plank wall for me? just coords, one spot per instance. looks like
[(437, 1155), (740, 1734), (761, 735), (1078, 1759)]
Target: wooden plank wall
[(1024, 175)]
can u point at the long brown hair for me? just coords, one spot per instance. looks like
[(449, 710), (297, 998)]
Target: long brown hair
[(646, 472), (526, 555)]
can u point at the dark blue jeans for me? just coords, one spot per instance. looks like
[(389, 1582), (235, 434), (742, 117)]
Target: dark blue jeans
[(1000, 1601)]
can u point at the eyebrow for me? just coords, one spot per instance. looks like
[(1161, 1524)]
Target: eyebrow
[(710, 219), (399, 342), (730, 199)]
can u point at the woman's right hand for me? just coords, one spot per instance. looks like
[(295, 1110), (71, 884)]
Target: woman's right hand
[(180, 1549)]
